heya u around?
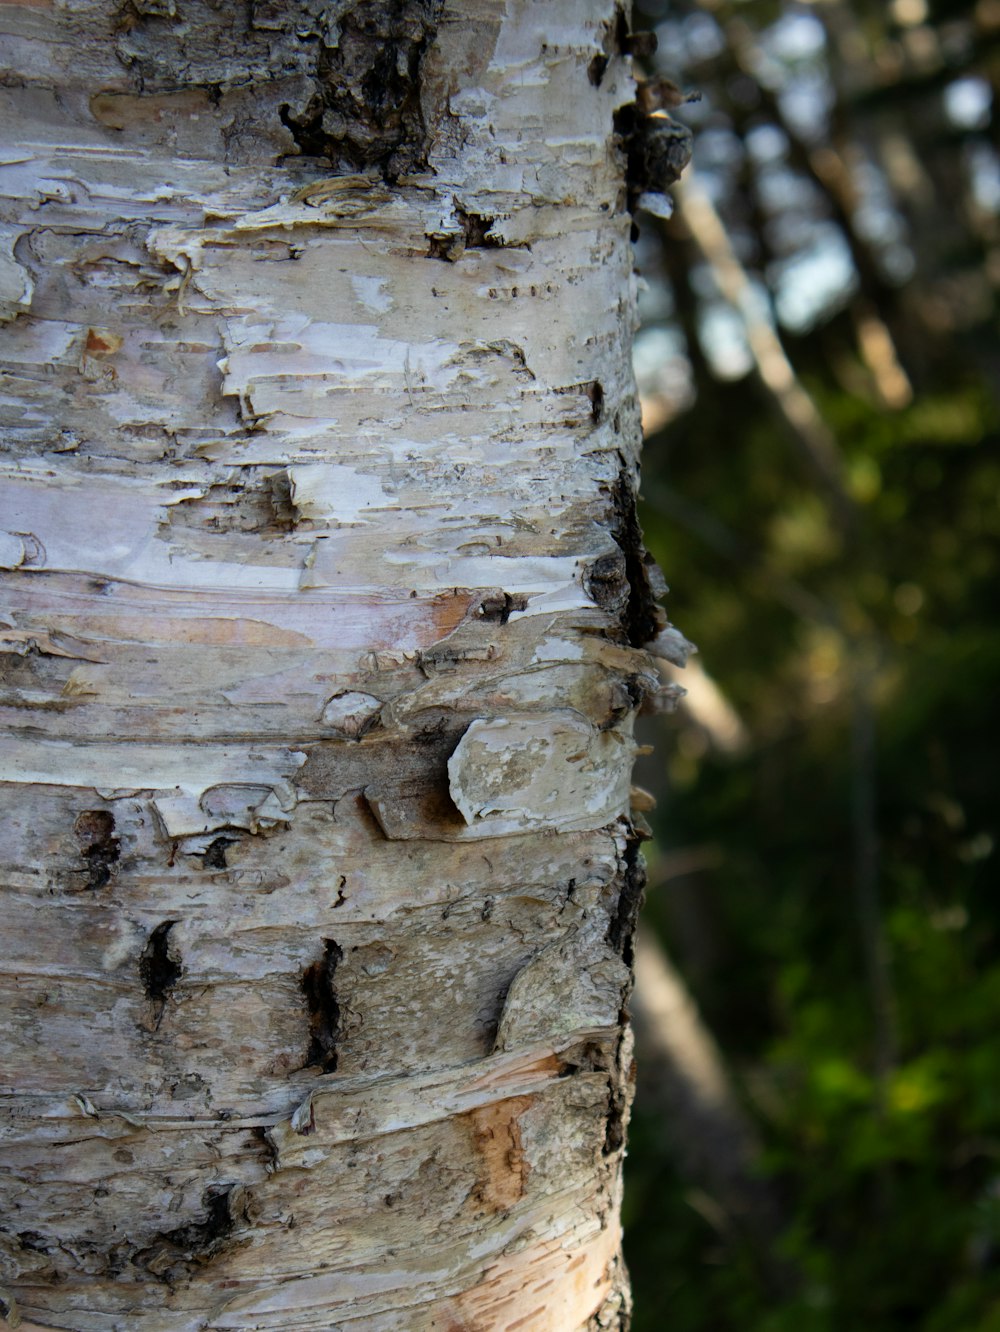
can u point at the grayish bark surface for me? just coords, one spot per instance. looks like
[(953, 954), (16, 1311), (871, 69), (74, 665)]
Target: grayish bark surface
[(324, 606)]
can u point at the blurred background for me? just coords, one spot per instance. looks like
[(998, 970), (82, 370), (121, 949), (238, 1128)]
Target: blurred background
[(816, 1141)]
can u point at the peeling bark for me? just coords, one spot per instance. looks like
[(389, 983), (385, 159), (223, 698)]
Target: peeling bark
[(324, 626)]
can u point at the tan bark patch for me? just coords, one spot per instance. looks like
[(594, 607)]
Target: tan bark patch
[(101, 342), (496, 1134), (121, 110), (541, 1288)]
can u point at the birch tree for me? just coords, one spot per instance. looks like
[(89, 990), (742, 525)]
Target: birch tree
[(322, 639)]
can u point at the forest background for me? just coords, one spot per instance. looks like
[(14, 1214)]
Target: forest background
[(819, 368)]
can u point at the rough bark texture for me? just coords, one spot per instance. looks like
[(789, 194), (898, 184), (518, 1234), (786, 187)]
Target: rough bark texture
[(324, 606)]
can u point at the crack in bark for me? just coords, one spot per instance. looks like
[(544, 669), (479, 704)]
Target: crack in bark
[(366, 112), (324, 1008), (214, 855), (497, 607), (621, 937), (99, 847), (159, 970), (628, 583), (477, 230), (175, 1254), (632, 879)]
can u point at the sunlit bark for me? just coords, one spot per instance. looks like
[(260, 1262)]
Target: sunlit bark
[(324, 605)]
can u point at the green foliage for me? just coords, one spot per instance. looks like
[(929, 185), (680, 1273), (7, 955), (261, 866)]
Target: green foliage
[(892, 1187), (880, 1134)]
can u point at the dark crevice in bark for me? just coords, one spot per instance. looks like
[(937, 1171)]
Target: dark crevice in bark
[(324, 1009), (279, 494), (617, 1120), (100, 848), (214, 855), (365, 113), (627, 693), (627, 583), (632, 884), (444, 247), (33, 1241), (497, 607), (264, 1143), (596, 69), (592, 391), (492, 1026), (475, 235), (159, 966), (159, 970), (595, 1058), (344, 77), (477, 227), (259, 502), (616, 36), (175, 1254), (588, 1058), (620, 936), (197, 1236)]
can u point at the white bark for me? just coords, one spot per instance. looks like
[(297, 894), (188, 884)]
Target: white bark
[(319, 663)]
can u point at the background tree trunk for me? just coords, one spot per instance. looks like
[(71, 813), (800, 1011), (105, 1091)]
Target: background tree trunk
[(324, 609)]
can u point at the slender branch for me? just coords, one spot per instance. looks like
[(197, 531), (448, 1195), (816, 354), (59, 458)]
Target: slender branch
[(770, 359)]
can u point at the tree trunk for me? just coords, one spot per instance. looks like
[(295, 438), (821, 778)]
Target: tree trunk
[(325, 603)]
